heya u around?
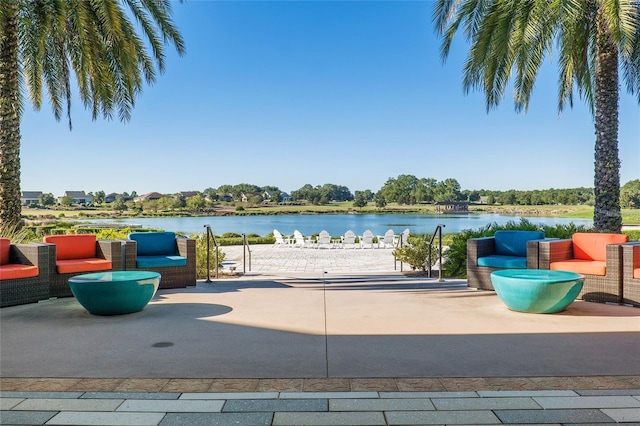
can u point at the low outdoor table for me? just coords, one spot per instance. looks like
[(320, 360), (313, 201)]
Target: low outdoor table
[(537, 290), (115, 293)]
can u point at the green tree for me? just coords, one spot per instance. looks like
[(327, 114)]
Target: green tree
[(46, 199), (593, 38), (66, 200), (381, 202), (360, 199), (630, 194), (119, 204), (196, 203), (99, 197), (400, 190), (44, 43), (447, 190)]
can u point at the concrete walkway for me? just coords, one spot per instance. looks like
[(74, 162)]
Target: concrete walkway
[(320, 345)]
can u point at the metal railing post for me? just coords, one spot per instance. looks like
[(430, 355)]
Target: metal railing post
[(440, 279), (210, 236), (208, 254), (438, 232)]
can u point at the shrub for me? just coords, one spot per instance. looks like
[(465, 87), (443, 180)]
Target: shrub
[(201, 255), (416, 253), (113, 233), (16, 234), (231, 235), (239, 208)]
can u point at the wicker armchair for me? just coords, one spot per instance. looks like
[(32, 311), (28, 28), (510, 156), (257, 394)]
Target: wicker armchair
[(597, 256), (18, 291), (631, 274), (174, 258), (85, 253), (505, 250)]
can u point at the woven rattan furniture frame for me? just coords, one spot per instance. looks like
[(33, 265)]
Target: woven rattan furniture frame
[(630, 285), (27, 290), (480, 276), (173, 276), (59, 283), (596, 288)]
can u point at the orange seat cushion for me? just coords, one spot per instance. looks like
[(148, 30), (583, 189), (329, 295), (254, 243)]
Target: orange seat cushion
[(587, 267), (593, 246), (81, 246), (14, 271), (82, 265), (636, 273), (5, 245)]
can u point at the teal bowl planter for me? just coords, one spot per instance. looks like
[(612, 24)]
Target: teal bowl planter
[(535, 290), (115, 293)]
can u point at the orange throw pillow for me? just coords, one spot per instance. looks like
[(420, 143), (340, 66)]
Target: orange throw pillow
[(5, 245), (593, 246), (80, 246)]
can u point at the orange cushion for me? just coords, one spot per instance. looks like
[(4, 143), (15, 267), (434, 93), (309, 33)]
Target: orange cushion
[(592, 246), (636, 273), (5, 244), (82, 265), (79, 246), (11, 272), (587, 267)]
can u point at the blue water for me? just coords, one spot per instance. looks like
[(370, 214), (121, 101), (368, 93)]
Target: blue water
[(335, 224)]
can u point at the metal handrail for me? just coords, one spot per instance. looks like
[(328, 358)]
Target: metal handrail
[(401, 243), (245, 249), (211, 236), (438, 231)]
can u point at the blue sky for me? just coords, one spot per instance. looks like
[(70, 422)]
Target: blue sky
[(296, 92)]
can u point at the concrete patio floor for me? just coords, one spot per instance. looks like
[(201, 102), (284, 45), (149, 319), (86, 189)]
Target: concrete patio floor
[(321, 334)]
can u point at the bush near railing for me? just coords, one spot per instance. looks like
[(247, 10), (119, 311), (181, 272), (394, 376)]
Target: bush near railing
[(416, 252), (201, 255)]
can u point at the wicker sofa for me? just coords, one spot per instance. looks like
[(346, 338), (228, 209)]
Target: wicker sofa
[(24, 273), (505, 250), (631, 273), (597, 256), (76, 254), (174, 258)]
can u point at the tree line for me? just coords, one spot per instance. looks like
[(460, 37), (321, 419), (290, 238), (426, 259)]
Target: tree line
[(403, 189)]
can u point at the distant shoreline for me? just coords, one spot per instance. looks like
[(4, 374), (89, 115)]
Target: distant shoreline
[(631, 218)]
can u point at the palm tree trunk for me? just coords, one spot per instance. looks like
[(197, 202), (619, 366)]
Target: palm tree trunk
[(606, 216), (10, 208)]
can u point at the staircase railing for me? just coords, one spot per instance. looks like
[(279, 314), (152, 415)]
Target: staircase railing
[(437, 232), (211, 236), (245, 250)]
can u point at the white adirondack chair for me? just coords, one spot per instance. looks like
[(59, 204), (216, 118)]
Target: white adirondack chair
[(324, 240), (388, 239), (367, 239), (349, 239), (280, 241), (300, 241)]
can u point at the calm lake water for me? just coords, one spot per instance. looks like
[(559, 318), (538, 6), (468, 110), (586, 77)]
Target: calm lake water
[(335, 224)]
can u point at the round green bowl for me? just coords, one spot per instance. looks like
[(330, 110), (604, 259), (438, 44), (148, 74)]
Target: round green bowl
[(536, 290), (115, 293)]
